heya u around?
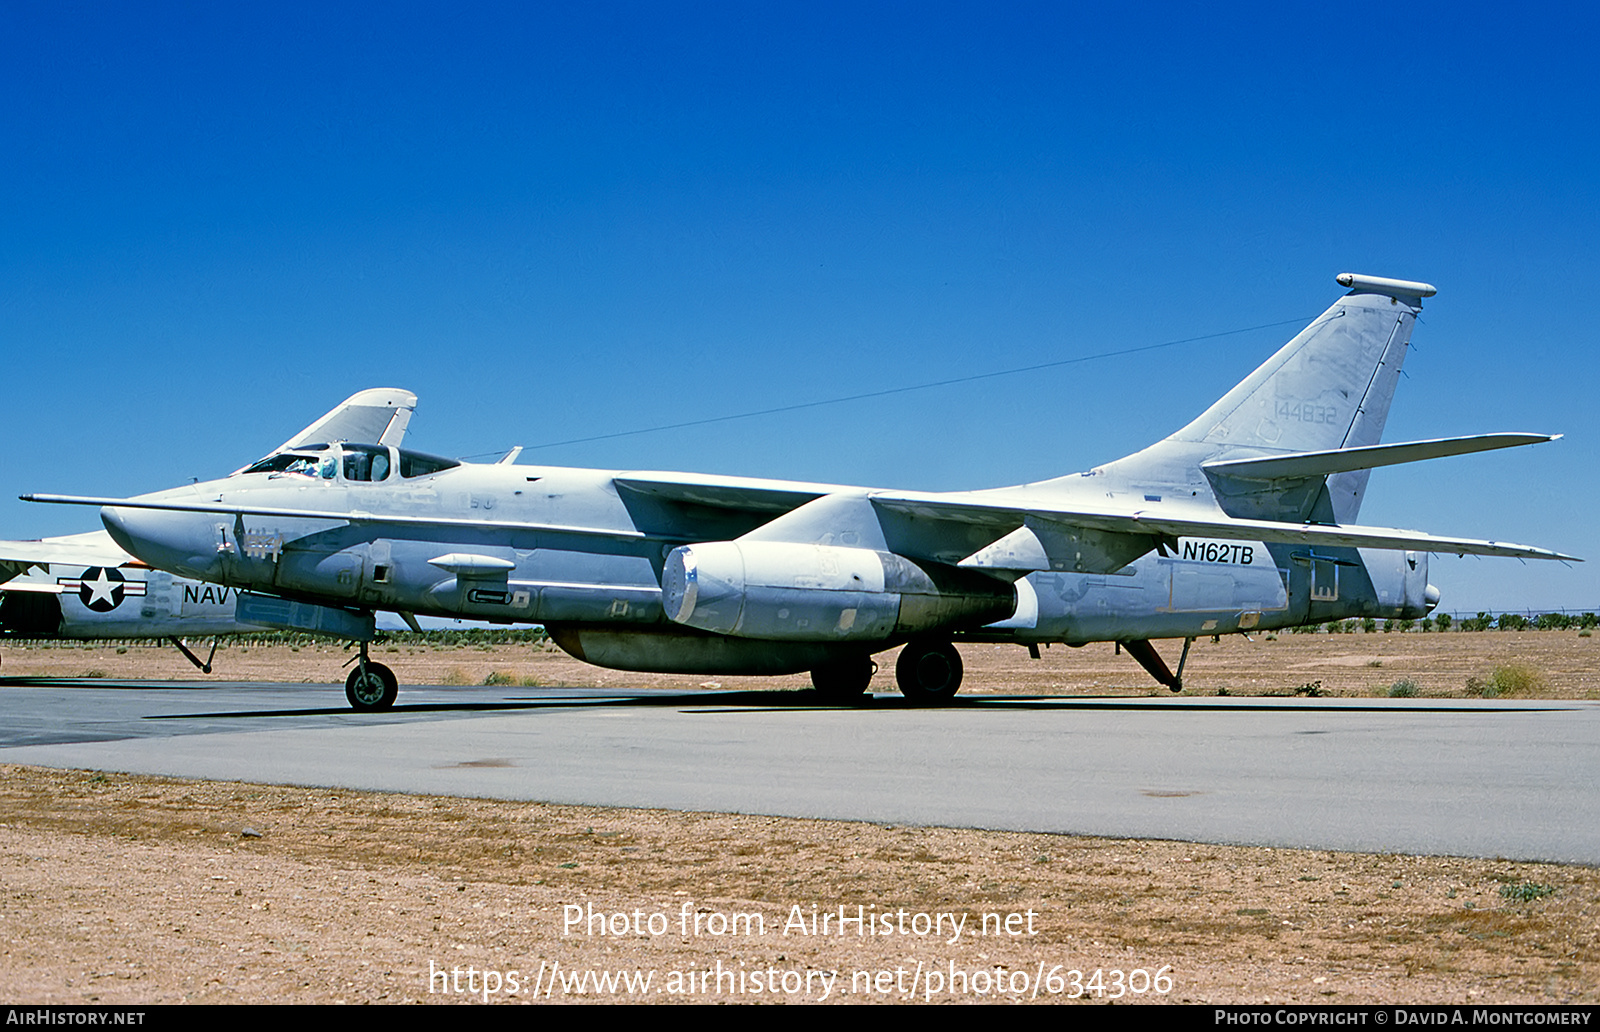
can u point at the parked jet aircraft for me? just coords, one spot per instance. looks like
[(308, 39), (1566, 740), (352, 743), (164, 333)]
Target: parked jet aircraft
[(85, 587), (1241, 520)]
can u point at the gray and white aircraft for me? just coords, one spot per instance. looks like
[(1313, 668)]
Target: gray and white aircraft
[(85, 587), (1242, 520)]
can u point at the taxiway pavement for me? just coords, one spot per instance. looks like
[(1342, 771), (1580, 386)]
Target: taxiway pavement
[(1478, 778)]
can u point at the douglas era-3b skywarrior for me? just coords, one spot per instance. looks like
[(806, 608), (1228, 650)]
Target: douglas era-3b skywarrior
[(1242, 520)]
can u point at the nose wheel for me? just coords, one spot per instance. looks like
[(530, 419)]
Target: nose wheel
[(371, 687)]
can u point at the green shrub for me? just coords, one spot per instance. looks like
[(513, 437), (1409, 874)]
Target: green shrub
[(1526, 892), (1508, 680), (1517, 679), (1405, 688)]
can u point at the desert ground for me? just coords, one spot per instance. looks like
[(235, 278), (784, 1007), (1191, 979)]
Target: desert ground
[(119, 889), (1542, 664)]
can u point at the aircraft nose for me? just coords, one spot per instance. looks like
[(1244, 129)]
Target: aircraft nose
[(177, 542), (1431, 596)]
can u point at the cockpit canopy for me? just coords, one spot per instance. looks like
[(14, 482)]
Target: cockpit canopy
[(359, 463)]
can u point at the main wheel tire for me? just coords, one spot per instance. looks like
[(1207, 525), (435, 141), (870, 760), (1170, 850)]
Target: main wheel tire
[(371, 690), (928, 672), (844, 682)]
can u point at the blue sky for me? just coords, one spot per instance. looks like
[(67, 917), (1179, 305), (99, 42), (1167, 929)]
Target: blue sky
[(563, 221)]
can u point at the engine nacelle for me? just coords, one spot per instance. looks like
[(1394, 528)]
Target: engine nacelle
[(794, 592)]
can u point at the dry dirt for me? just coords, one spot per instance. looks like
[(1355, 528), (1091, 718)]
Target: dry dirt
[(1562, 664), (119, 889)]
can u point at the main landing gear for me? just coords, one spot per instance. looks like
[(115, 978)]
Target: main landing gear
[(928, 673), (371, 687), (844, 682)]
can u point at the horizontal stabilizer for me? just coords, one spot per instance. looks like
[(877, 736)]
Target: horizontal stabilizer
[(1299, 465)]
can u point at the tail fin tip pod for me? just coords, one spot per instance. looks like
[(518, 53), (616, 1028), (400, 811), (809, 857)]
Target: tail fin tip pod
[(1383, 285)]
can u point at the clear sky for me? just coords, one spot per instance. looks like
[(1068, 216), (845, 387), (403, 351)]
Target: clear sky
[(561, 221)]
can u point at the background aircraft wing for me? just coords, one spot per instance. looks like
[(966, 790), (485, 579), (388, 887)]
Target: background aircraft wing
[(94, 548)]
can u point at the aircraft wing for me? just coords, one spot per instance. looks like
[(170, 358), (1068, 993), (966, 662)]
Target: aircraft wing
[(742, 494), (746, 495), (1111, 537), (357, 516), (94, 548), (1102, 538)]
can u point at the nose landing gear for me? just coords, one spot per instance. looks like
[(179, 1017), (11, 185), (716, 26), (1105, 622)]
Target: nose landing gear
[(371, 687)]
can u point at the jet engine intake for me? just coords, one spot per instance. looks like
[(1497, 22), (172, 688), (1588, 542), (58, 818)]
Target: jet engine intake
[(797, 592)]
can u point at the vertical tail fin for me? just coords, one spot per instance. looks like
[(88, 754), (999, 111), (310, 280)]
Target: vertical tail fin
[(1330, 387)]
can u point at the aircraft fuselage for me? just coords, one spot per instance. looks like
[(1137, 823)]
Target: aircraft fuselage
[(584, 554)]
